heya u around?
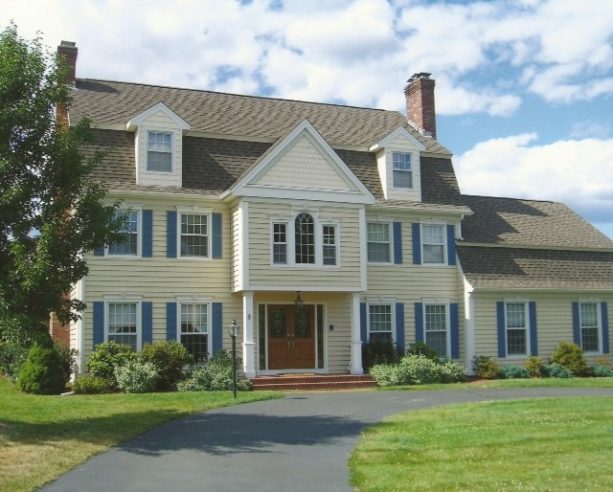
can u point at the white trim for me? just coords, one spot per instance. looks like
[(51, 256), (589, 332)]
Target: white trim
[(139, 232), (139, 315), (527, 328), (209, 226), (243, 249), (297, 194), (400, 131), (249, 363), (363, 235), (302, 288), (390, 226), (80, 294), (532, 246), (597, 302), (209, 320), (392, 306), (445, 261), (148, 132), (138, 120), (410, 171), (447, 325)]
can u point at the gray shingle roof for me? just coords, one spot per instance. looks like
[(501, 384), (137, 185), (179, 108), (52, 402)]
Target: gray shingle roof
[(516, 222), (114, 103), (488, 267)]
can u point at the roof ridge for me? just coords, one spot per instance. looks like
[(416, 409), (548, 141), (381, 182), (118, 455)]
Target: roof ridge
[(240, 95), (513, 198)]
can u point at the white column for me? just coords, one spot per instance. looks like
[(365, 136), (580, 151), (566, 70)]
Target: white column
[(248, 338), (469, 327), (356, 341)]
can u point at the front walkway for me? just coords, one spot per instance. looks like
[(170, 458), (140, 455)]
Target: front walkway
[(300, 443)]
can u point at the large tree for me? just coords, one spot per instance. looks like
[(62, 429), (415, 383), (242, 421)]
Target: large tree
[(51, 210)]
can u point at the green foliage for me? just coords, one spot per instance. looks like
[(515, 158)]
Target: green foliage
[(91, 385), (42, 372), (557, 371), (106, 357), (485, 367), (514, 372), (136, 376), (378, 351), (421, 348), (169, 359), (601, 371), (570, 356), (215, 374), (50, 208), (451, 372), (386, 374), (68, 358), (534, 366), (12, 357), (416, 369)]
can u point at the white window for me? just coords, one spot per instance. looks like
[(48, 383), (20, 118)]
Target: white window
[(433, 244), (380, 322), (305, 238), (123, 325), (437, 328), (590, 326), (329, 244), (194, 329), (516, 320), (194, 235), (129, 243), (279, 243), (402, 174), (159, 152), (379, 242)]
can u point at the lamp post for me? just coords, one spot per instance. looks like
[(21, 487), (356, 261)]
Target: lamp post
[(233, 333)]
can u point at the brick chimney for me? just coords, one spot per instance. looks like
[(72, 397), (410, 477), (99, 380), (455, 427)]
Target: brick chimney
[(419, 93), (68, 51)]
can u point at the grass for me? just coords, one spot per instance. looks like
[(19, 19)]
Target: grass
[(561, 444), (42, 437)]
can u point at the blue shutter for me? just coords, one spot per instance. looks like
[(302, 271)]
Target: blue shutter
[(605, 327), (416, 244), (502, 341), (455, 330), (576, 328), (216, 235), (397, 227), (99, 251), (147, 322), (171, 234), (217, 327), (534, 348), (147, 233), (419, 322), (451, 245), (363, 325), (171, 321), (400, 326), (98, 323)]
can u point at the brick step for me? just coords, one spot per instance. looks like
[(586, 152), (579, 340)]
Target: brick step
[(335, 386), (312, 382)]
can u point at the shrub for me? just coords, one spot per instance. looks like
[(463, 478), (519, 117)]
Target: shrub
[(42, 372), (451, 372), (136, 376), (603, 361), (68, 357), (90, 385), (416, 369), (215, 374), (106, 357), (169, 359), (534, 366), (601, 371), (557, 371), (385, 374), (570, 355), (12, 357), (420, 348), (514, 372), (485, 367), (378, 352)]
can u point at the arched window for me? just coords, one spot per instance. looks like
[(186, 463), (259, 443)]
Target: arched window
[(305, 238)]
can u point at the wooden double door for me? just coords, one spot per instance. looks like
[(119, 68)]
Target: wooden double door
[(291, 337)]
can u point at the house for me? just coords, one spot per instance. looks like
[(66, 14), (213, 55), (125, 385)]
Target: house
[(318, 227)]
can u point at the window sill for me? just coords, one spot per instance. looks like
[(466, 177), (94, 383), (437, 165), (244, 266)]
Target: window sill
[(302, 266), (195, 258)]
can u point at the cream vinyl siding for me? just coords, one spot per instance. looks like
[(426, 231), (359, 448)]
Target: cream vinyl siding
[(386, 170), (337, 308), (553, 314), (160, 279), (235, 245), (263, 275)]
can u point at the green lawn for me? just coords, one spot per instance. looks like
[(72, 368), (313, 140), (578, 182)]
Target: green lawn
[(41, 437), (557, 444)]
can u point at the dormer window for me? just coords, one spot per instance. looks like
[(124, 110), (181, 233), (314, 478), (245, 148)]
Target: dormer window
[(159, 152), (402, 173)]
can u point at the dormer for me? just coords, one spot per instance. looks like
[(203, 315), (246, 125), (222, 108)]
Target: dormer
[(158, 146), (399, 165)]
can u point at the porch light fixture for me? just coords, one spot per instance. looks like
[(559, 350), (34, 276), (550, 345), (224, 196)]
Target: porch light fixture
[(298, 302), (233, 330)]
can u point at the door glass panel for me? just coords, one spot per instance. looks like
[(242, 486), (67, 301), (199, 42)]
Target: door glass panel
[(320, 336), (262, 336), (302, 328), (278, 323)]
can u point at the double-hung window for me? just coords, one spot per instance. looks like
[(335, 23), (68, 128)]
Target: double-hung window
[(194, 235), (516, 320), (279, 243), (402, 174), (379, 242), (123, 324), (433, 243), (159, 152), (437, 328), (590, 326), (329, 243), (380, 322), (128, 244), (194, 329)]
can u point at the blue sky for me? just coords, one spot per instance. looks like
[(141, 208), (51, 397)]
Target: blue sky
[(524, 88)]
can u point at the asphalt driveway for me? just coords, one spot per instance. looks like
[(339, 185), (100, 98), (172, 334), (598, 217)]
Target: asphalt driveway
[(299, 443)]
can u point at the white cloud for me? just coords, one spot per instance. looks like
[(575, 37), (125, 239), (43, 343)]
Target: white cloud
[(576, 172)]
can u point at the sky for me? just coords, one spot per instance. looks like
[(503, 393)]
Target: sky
[(524, 88)]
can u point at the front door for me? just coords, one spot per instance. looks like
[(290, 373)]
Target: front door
[(291, 337)]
